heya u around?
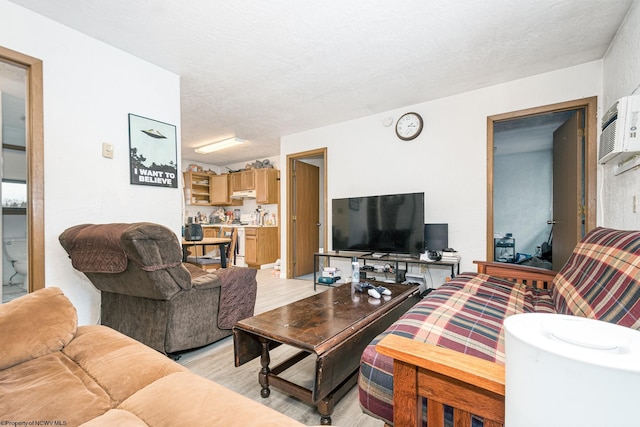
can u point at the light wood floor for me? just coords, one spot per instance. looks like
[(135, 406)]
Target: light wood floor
[(274, 292)]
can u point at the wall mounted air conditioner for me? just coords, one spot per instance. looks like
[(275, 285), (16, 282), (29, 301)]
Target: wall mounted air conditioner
[(620, 132)]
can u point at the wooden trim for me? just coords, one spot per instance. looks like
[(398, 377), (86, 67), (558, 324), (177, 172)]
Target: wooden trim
[(451, 363), (35, 163), (591, 170), (469, 384), (530, 276), (489, 248), (289, 216), (590, 106), (291, 158)]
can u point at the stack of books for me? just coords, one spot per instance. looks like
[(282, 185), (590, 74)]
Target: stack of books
[(450, 256)]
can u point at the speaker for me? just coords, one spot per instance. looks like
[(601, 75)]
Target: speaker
[(436, 237), (193, 232)]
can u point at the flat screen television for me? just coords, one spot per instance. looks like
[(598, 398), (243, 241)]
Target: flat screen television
[(392, 223)]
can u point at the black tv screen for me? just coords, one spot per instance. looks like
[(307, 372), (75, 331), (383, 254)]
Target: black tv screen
[(392, 223)]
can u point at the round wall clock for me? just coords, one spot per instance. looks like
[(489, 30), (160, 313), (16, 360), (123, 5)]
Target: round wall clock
[(409, 126)]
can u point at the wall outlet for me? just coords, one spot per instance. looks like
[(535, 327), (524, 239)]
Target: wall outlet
[(635, 203), (107, 150)]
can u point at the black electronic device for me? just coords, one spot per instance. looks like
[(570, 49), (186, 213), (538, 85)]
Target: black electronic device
[(434, 255), (193, 232), (436, 237), (392, 223)]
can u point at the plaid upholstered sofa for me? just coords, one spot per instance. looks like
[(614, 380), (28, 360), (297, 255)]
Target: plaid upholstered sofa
[(601, 280)]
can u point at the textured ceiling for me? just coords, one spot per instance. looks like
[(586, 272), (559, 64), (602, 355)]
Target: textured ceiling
[(262, 70)]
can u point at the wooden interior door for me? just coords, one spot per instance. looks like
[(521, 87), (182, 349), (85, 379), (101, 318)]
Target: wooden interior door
[(306, 208), (588, 169), (35, 163), (568, 189)]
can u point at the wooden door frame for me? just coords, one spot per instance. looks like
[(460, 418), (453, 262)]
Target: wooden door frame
[(591, 147), (291, 158), (35, 163)]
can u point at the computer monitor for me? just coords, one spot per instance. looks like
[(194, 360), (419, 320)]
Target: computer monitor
[(436, 237)]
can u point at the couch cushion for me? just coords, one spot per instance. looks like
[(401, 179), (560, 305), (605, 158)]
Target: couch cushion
[(152, 246), (202, 402), (201, 279), (116, 417), (119, 364), (34, 325), (601, 279), (52, 388)]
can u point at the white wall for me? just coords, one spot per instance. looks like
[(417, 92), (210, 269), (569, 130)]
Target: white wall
[(621, 78), (447, 161), (89, 90), (523, 201)]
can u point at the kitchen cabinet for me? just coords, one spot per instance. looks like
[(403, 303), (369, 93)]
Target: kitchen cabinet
[(197, 188), (267, 188), (245, 180), (210, 232), (201, 188), (236, 181), (221, 191), (260, 246)]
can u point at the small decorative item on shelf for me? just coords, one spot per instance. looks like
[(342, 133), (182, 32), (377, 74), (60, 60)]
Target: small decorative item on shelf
[(217, 216), (194, 168)]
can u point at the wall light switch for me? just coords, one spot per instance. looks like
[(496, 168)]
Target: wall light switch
[(107, 150), (635, 203)]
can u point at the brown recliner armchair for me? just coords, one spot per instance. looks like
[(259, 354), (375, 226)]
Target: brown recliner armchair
[(149, 294)]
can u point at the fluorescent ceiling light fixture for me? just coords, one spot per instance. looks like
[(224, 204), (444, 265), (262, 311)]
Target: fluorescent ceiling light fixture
[(215, 146)]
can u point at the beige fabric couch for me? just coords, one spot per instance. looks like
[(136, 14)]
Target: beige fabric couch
[(53, 371)]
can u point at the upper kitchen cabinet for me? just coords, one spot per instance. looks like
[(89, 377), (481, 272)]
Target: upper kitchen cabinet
[(202, 188), (266, 184), (245, 180), (220, 190), (197, 188)]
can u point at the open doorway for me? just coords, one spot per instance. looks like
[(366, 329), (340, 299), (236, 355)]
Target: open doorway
[(31, 179), (306, 210), (539, 193)]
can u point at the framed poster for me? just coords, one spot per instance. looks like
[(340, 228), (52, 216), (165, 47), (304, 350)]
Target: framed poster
[(152, 152)]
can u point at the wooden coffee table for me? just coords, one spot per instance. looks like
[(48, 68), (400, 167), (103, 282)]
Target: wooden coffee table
[(334, 326)]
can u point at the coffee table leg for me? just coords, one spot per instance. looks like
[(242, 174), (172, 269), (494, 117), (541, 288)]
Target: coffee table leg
[(263, 376), (325, 408)]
